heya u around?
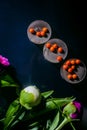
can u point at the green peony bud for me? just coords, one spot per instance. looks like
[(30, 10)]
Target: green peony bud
[(30, 97)]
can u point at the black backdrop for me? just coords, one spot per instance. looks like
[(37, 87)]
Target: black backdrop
[(68, 22)]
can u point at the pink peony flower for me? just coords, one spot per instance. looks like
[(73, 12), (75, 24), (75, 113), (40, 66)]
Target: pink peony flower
[(4, 61)]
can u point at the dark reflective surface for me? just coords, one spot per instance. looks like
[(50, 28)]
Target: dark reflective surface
[(67, 20)]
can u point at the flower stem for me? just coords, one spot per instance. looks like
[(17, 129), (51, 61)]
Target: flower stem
[(64, 122)]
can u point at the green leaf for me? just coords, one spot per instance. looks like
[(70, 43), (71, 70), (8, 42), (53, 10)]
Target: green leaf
[(34, 124), (11, 113), (35, 128), (7, 80), (48, 124), (72, 126), (47, 93), (22, 115), (55, 103), (55, 121), (18, 119), (6, 83), (51, 104), (2, 120)]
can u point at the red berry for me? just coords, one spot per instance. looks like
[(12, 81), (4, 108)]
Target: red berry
[(60, 50), (69, 76), (59, 58), (65, 67), (38, 33), (48, 45), (31, 30)]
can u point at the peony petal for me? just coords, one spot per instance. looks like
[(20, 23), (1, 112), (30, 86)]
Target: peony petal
[(1, 58), (74, 115), (78, 106), (5, 63)]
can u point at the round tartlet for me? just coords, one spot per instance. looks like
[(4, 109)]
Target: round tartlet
[(73, 70), (53, 53), (36, 35)]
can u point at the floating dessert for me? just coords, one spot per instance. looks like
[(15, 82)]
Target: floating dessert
[(73, 70), (55, 50), (39, 32)]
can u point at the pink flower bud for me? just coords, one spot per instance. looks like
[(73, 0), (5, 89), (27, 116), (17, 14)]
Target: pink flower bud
[(73, 110)]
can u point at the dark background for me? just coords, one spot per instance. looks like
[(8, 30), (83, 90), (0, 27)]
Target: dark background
[(68, 22)]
